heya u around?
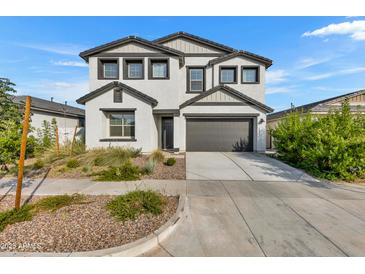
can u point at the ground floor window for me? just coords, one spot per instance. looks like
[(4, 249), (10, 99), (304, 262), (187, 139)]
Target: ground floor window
[(122, 124)]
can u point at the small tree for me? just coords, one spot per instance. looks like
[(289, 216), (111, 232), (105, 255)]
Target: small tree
[(46, 135)]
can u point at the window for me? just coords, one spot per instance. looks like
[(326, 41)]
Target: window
[(196, 79), (121, 124), (118, 96), (158, 69), (108, 69), (228, 75), (133, 69), (250, 75)]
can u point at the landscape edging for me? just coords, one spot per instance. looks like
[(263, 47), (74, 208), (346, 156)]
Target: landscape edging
[(132, 249)]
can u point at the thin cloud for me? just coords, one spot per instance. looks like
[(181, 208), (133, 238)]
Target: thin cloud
[(311, 62), (276, 76), (354, 29), (275, 90), (62, 49), (69, 63), (335, 73)]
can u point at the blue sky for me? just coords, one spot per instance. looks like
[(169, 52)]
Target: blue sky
[(313, 57)]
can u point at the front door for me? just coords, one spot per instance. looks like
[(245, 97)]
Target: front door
[(167, 133)]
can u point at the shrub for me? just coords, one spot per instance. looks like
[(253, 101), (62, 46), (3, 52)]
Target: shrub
[(170, 161), (115, 156), (12, 216), (126, 172), (149, 166), (86, 169), (72, 163), (330, 146), (53, 203), (38, 164), (157, 156), (135, 203)]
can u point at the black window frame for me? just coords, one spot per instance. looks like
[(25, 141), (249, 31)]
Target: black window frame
[(101, 62), (257, 74), (188, 78), (127, 61), (235, 68), (158, 60), (132, 137)]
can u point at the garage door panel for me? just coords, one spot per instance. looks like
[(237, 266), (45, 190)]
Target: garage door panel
[(219, 134)]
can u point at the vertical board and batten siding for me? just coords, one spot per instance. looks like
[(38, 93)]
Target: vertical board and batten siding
[(132, 48), (189, 46), (219, 97)]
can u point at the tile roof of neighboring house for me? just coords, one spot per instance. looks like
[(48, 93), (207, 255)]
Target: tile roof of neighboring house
[(231, 91), (247, 54), (115, 84), (182, 34), (85, 54), (320, 106), (51, 107)]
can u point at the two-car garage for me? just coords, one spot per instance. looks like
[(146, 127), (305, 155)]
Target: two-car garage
[(219, 134)]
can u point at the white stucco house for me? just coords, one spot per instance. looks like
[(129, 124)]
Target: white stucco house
[(67, 117), (180, 92)]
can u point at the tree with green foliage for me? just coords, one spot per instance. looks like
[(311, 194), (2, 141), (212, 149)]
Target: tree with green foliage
[(331, 146), (10, 126), (46, 135)]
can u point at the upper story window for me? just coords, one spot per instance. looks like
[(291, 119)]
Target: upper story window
[(133, 69), (195, 79), (108, 69), (158, 69), (250, 75), (227, 75)]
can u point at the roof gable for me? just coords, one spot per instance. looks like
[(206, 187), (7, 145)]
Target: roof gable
[(196, 39), (127, 40), (116, 84), (233, 95), (267, 62)]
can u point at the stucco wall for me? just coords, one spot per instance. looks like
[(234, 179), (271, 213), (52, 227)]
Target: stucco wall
[(66, 125), (97, 123)]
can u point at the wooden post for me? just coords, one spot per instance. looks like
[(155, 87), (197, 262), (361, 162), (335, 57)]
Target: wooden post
[(57, 143), (73, 140), (23, 149)]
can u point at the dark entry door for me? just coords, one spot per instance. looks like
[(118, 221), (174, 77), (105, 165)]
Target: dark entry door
[(219, 134), (167, 133)]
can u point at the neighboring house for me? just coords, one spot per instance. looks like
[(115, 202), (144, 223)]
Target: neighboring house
[(356, 100), (180, 92), (67, 117)]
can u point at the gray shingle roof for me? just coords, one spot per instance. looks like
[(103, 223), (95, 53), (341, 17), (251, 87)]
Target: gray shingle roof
[(114, 84), (51, 107), (320, 106), (247, 54)]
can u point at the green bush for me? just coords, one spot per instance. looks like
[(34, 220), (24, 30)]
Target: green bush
[(132, 204), (149, 166), (38, 164), (126, 172), (53, 203), (73, 163), (170, 161), (114, 156), (329, 146), (157, 155), (12, 216)]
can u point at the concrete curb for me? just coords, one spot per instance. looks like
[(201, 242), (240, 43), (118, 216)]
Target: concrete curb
[(133, 249)]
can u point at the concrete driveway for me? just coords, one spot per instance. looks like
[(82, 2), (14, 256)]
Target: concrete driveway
[(239, 166), (251, 205)]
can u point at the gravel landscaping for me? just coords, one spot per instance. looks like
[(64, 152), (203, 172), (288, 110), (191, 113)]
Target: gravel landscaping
[(79, 227)]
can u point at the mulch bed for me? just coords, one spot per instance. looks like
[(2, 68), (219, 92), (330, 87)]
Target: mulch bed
[(80, 227)]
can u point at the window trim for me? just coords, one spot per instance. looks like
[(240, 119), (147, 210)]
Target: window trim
[(188, 78), (157, 60), (257, 71), (125, 68), (235, 68), (109, 125), (101, 68)]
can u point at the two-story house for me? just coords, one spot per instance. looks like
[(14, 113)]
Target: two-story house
[(179, 92)]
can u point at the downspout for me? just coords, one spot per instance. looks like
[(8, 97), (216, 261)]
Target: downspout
[(212, 76)]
